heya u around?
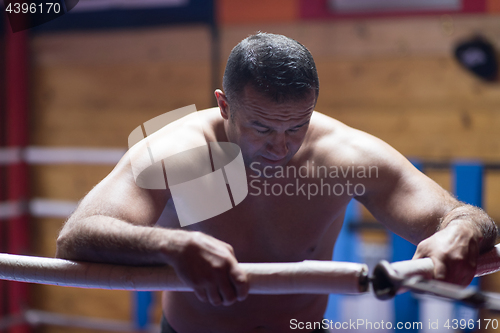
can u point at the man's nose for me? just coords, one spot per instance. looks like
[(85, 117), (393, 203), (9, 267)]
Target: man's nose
[(278, 146)]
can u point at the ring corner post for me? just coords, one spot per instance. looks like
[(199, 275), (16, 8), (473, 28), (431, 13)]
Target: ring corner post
[(17, 106), (3, 177), (215, 51)]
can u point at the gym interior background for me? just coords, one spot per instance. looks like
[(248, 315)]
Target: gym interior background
[(74, 88)]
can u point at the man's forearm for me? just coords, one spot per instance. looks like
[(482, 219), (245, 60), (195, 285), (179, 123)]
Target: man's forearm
[(106, 239), (478, 220)]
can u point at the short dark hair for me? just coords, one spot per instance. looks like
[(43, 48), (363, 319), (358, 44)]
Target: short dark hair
[(279, 67)]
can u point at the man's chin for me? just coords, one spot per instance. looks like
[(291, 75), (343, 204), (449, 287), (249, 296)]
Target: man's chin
[(262, 162), (273, 161)]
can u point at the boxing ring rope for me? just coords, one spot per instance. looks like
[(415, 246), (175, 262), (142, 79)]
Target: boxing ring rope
[(314, 277), (488, 263), (306, 277)]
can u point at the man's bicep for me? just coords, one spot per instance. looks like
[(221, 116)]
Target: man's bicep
[(405, 200), (118, 196)]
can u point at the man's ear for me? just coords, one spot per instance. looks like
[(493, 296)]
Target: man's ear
[(222, 103)]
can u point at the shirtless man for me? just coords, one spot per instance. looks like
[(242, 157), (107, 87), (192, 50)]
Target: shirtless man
[(270, 91)]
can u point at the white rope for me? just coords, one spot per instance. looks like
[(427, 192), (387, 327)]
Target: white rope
[(51, 208), (11, 209), (487, 263), (62, 155), (10, 155), (307, 277), (37, 208), (73, 155)]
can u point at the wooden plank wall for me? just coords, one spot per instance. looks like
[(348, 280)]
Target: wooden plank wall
[(92, 90), (394, 78)]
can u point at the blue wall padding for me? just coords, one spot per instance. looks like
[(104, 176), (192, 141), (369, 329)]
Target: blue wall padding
[(406, 308), (468, 187), (347, 241), (345, 250), (143, 301), (468, 182)]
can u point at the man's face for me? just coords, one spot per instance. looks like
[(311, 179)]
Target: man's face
[(267, 132)]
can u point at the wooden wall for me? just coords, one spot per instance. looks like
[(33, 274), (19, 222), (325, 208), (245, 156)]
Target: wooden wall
[(394, 78), (92, 90)]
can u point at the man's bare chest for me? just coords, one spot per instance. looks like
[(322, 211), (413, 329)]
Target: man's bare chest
[(278, 227)]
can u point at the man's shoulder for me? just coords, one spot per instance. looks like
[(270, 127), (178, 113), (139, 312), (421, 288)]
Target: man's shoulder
[(178, 136), (329, 133), (337, 141), (192, 127)]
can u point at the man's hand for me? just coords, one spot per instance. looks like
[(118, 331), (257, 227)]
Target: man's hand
[(209, 266), (454, 251)]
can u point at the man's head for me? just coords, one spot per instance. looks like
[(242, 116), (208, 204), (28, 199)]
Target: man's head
[(279, 67), (270, 89)]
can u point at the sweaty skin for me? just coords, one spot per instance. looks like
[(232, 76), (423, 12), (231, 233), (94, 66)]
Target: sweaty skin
[(119, 222)]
